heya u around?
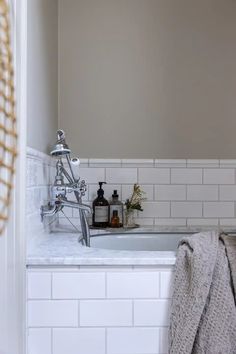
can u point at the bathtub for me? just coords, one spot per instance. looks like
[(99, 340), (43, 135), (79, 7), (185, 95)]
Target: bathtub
[(141, 241), (112, 297)]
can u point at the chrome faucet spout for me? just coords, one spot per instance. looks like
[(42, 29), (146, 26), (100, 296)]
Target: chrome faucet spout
[(75, 205), (83, 209), (49, 210)]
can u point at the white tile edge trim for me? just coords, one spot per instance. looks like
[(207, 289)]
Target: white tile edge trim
[(171, 163)]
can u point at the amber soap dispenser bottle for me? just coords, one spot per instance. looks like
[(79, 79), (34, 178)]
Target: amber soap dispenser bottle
[(100, 209)]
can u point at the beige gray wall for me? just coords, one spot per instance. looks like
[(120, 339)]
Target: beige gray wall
[(42, 75), (148, 78)]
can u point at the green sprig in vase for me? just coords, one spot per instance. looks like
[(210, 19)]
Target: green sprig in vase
[(131, 205)]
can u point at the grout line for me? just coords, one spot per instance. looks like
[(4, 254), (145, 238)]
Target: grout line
[(170, 174), (96, 327), (106, 285), (106, 344), (79, 313), (51, 276), (108, 327), (159, 340), (51, 341), (133, 312), (153, 297)]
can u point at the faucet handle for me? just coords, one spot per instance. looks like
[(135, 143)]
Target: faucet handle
[(82, 183), (83, 188)]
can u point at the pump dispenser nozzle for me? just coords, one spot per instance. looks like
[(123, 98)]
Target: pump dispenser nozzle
[(115, 194), (100, 191)]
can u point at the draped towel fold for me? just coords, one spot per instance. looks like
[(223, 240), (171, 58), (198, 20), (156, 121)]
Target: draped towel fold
[(203, 311)]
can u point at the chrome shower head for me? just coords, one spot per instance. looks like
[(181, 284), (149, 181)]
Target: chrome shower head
[(60, 148)]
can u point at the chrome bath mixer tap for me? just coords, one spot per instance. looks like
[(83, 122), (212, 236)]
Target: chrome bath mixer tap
[(61, 189)]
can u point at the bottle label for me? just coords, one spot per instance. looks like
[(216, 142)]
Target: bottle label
[(119, 208), (101, 213)]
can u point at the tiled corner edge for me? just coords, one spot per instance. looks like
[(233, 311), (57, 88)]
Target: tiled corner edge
[(36, 154)]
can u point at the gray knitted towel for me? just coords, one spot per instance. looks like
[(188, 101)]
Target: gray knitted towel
[(203, 312)]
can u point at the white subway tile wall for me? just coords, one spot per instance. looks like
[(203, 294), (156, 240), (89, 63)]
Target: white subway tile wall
[(151, 312), (39, 341), (39, 176), (128, 314), (152, 209), (78, 341), (178, 192), (52, 313), (219, 176), (163, 333), (106, 313), (78, 285), (218, 209), (186, 176), (121, 175), (132, 340), (170, 192), (186, 209), (154, 175), (39, 286), (92, 175), (202, 192), (166, 281)]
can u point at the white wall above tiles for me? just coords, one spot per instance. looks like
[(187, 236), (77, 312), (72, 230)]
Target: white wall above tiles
[(178, 192)]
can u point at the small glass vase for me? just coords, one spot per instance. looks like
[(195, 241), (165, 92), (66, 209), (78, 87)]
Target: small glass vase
[(129, 221)]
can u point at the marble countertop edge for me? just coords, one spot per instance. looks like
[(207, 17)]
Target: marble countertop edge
[(62, 249), (61, 261)]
